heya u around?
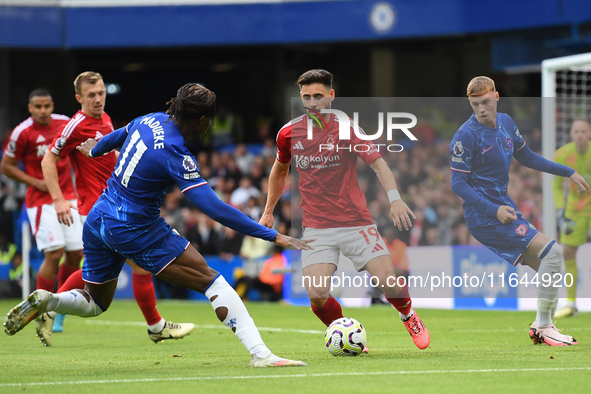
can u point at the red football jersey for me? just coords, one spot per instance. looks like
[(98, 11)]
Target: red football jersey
[(29, 142), (91, 174), (328, 184)]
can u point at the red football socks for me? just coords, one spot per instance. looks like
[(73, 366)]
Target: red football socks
[(45, 284), (402, 301), (329, 312), (74, 281), (145, 296), (64, 273)]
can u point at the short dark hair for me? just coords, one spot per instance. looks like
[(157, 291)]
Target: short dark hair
[(192, 101), (315, 76), (38, 93)]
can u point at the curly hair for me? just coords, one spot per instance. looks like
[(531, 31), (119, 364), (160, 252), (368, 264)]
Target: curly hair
[(192, 101)]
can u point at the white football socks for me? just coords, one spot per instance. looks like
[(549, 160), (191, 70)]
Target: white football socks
[(551, 263), (229, 307), (74, 302)]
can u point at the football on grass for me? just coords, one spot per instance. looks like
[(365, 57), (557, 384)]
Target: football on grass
[(345, 337)]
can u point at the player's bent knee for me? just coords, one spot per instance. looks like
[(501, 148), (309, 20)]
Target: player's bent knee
[(556, 251), (552, 259)]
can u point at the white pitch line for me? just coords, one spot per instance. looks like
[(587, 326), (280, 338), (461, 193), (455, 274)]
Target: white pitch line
[(203, 326), (299, 375), (276, 329)]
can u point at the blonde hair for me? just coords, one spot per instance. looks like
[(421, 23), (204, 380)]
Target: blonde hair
[(480, 86), (90, 77)]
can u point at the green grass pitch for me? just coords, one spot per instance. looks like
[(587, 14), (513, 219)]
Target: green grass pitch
[(471, 351)]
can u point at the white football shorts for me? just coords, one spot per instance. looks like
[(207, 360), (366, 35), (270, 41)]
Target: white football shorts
[(50, 234), (360, 244)]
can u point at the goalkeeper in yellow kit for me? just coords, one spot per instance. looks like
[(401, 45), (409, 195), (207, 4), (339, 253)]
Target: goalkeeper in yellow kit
[(574, 216)]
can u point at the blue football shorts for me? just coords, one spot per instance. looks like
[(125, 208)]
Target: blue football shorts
[(507, 240), (108, 242)]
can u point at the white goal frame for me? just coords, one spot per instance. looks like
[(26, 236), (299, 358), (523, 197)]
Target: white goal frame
[(549, 69)]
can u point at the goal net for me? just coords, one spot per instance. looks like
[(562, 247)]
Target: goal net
[(566, 88)]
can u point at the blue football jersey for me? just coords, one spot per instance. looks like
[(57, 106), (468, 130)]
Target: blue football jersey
[(485, 155), (153, 158)]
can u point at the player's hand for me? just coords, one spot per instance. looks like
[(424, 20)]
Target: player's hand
[(267, 220), (399, 212), (87, 146), (63, 211), (578, 180), (506, 214), (293, 243)]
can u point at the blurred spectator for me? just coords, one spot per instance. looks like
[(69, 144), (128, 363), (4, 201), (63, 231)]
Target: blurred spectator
[(230, 170), (257, 172), (226, 242), (244, 159), (265, 127), (171, 209), (267, 283), (253, 209), (269, 148), (243, 193), (535, 142), (200, 234), (227, 127)]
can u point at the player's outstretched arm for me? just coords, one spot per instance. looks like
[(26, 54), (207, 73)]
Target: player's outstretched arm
[(581, 183), (399, 211), (276, 186), (207, 201), (531, 159)]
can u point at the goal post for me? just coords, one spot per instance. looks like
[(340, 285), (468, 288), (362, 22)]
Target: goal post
[(568, 80)]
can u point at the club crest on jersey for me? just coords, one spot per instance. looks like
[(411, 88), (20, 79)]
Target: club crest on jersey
[(521, 230), (509, 142), (329, 143), (189, 163), (458, 149), (60, 142)]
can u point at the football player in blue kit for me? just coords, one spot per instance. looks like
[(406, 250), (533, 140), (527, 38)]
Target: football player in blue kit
[(481, 153), (125, 223)]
